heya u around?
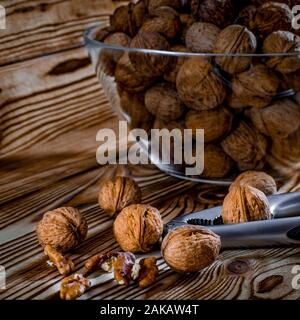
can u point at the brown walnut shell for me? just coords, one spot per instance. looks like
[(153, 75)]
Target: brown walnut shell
[(163, 101), (246, 146), (218, 12), (154, 4), (117, 38), (270, 17), (246, 16), (187, 20), (256, 179), (255, 87), (138, 228), (235, 39), (128, 78), (283, 42), (163, 20), (117, 193), (190, 248), (171, 74), (62, 229), (244, 204), (129, 18), (201, 37), (217, 164), (150, 64), (216, 123), (198, 86), (279, 119)]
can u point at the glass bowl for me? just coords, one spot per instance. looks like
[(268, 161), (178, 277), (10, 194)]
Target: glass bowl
[(238, 137)]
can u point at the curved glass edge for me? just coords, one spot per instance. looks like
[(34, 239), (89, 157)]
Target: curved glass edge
[(88, 37)]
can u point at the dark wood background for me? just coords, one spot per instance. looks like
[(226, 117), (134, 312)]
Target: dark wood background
[(51, 106)]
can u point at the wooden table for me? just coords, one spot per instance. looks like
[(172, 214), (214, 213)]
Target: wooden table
[(51, 108)]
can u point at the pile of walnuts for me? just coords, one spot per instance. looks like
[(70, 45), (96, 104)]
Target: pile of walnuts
[(234, 98)]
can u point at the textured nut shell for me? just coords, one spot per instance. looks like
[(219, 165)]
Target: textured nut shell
[(216, 122), (255, 87), (245, 203), (154, 4), (62, 229), (163, 20), (283, 42), (190, 248), (163, 101), (201, 37), (218, 12), (128, 78), (150, 64), (117, 193), (270, 17), (171, 74), (117, 38), (198, 86), (246, 16), (279, 119), (217, 164), (246, 146), (138, 228), (256, 179), (235, 39), (187, 20)]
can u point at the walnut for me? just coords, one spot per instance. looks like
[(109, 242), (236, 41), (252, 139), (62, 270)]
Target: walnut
[(129, 18), (287, 149), (246, 146), (64, 265), (101, 262), (292, 80), (201, 37), (190, 248), (187, 20), (283, 42), (270, 17), (128, 78), (256, 179), (163, 101), (216, 122), (217, 164), (119, 39), (255, 87), (246, 16), (62, 229), (198, 86), (118, 193), (235, 39), (122, 266), (145, 271), (138, 228), (279, 119), (150, 64), (243, 204), (133, 105), (171, 74), (154, 4), (163, 20), (218, 12), (74, 286)]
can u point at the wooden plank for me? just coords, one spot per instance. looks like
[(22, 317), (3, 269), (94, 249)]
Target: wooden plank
[(35, 28)]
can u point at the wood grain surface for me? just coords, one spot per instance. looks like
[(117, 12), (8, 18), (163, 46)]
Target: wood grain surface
[(51, 107)]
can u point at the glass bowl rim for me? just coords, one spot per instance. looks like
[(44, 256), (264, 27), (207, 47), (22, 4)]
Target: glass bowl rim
[(89, 40)]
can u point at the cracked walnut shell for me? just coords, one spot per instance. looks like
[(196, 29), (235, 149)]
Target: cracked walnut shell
[(235, 39), (198, 86), (283, 42), (118, 193), (146, 63), (255, 87), (162, 100), (62, 229), (190, 248), (279, 119), (256, 179), (138, 228), (246, 146), (216, 123), (244, 204)]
